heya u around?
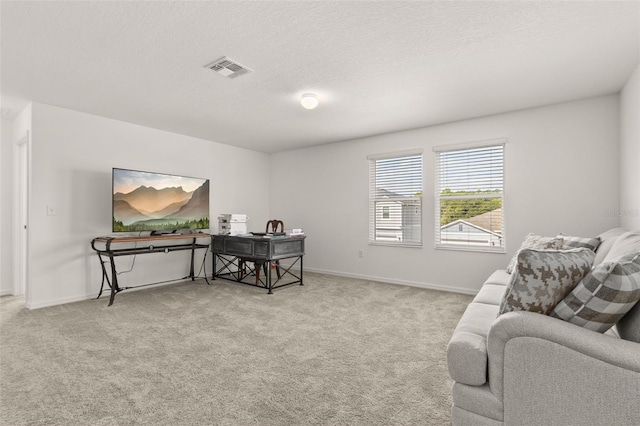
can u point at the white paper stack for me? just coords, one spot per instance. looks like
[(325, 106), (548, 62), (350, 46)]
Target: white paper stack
[(232, 224)]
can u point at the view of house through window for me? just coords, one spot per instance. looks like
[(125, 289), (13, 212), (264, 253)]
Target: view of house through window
[(395, 198), (470, 197)]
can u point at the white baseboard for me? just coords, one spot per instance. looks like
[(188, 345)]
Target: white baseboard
[(6, 293), (429, 286), (60, 301), (105, 295)]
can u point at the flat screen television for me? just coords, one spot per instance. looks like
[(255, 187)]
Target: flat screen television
[(157, 202)]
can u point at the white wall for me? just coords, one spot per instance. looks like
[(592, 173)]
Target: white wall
[(71, 161), (6, 212), (630, 152), (561, 176)]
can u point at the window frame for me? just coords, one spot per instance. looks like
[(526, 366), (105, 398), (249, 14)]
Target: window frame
[(437, 196), (373, 199)]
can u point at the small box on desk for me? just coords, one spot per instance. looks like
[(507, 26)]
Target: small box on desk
[(232, 224)]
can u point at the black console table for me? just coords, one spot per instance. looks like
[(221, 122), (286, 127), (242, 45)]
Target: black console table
[(113, 247), (241, 258)]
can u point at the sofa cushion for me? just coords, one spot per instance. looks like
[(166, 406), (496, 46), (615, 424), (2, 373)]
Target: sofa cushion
[(625, 244), (499, 277), (533, 241), (604, 296), (542, 278), (490, 294), (569, 242), (607, 238), (467, 349)]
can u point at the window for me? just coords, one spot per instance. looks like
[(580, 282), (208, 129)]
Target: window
[(395, 198), (469, 197)]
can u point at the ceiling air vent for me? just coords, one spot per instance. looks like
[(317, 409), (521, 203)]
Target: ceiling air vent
[(228, 67)]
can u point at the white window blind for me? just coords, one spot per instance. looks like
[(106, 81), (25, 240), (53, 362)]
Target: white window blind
[(469, 197), (395, 198)]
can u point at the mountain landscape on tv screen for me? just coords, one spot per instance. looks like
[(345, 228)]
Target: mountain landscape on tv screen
[(170, 208)]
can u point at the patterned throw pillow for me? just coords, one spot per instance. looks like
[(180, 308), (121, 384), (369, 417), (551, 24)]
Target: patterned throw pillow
[(569, 242), (604, 296), (542, 278), (533, 241)]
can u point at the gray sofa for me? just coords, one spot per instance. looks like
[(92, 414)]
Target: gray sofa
[(526, 368)]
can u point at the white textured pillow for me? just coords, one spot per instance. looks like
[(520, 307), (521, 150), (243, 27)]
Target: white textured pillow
[(626, 244), (608, 238), (569, 242), (533, 241)]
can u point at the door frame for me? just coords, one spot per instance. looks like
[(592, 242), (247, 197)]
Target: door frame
[(21, 217)]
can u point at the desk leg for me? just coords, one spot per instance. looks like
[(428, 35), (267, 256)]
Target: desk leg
[(215, 266), (193, 251), (269, 282), (104, 276), (114, 279), (301, 268)]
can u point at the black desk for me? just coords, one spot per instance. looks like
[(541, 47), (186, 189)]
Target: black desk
[(233, 256), (104, 246)]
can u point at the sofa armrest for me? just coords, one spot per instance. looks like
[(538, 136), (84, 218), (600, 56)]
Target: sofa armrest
[(549, 370)]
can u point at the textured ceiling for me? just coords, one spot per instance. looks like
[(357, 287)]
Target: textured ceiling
[(377, 67)]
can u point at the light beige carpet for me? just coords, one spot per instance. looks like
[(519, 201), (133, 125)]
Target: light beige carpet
[(336, 351)]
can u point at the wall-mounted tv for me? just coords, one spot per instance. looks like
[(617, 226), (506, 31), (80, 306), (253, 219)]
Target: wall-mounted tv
[(157, 202)]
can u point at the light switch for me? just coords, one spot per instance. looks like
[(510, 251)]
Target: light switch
[(51, 210)]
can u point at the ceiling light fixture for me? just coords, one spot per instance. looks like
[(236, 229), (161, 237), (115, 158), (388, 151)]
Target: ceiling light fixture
[(309, 101)]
